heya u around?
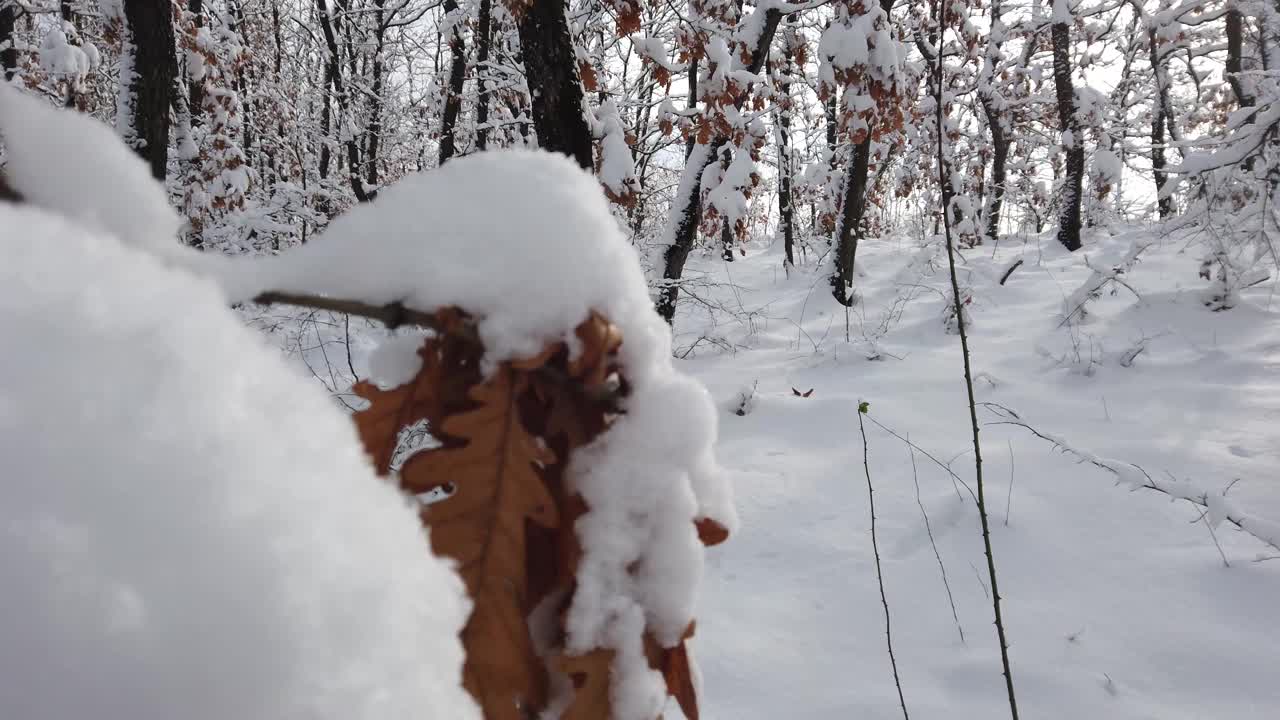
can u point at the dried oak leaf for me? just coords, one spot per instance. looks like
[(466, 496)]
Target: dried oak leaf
[(710, 531), (676, 669), (628, 17), (575, 400), (379, 424), (590, 676), (450, 366), (588, 73), (492, 461)]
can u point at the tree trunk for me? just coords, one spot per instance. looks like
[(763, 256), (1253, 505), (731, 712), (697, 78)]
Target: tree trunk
[(726, 231), (551, 69), (1159, 117), (195, 89), (453, 98), (340, 96), (1235, 56), (8, 53), (375, 111), (686, 207), (1073, 182), (68, 17), (692, 102), (786, 212), (326, 118), (996, 125), (483, 40), (151, 88), (853, 205), (848, 228), (241, 85)]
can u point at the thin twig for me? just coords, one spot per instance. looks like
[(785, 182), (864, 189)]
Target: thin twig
[(393, 315), (875, 548), (1008, 500), (945, 468), (397, 314), (928, 528)]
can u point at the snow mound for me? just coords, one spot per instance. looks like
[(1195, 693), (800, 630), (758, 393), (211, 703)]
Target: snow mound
[(76, 166), (187, 528)]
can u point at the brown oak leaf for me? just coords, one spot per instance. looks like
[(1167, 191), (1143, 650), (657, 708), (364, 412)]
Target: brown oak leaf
[(482, 526), (450, 366), (676, 669), (711, 532), (590, 676)]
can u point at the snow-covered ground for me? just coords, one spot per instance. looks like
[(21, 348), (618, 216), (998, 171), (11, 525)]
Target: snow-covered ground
[(1117, 601)]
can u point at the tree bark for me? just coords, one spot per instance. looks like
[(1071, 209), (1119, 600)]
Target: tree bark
[(241, 85), (1073, 181), (786, 212), (453, 98), (155, 72), (374, 135), (334, 74), (1235, 57), (726, 231), (67, 14), (996, 126), (1159, 118), (483, 40), (326, 118), (551, 69), (848, 228), (8, 53), (195, 89)]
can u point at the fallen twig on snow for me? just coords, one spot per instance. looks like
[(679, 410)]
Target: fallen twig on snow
[(1216, 505)]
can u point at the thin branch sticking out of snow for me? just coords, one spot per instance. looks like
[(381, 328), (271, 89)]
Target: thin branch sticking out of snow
[(1215, 505)]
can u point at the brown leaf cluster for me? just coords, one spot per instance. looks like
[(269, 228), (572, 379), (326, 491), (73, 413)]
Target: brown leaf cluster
[(505, 441)]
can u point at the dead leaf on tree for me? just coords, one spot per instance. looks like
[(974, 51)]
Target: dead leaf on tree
[(590, 676), (497, 490), (677, 671), (504, 445)]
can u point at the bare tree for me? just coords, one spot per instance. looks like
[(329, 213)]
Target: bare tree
[(1069, 122), (997, 124), (786, 207), (8, 53), (151, 83), (551, 70), (453, 95), (483, 41)]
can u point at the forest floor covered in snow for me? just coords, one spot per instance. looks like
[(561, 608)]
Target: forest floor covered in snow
[(1117, 601)]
